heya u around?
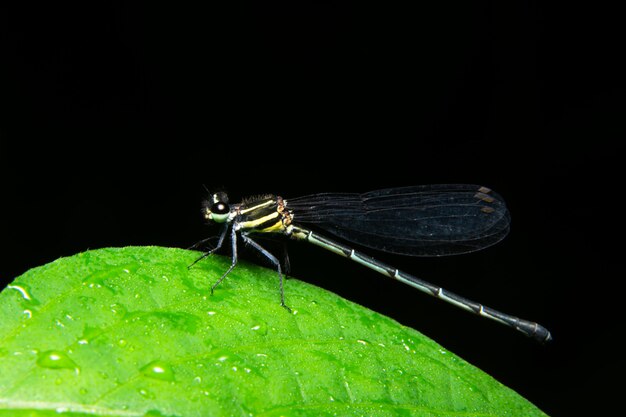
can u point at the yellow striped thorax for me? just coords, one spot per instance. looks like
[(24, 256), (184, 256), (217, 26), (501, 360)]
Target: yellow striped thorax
[(264, 214)]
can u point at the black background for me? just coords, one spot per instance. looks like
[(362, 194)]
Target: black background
[(115, 116)]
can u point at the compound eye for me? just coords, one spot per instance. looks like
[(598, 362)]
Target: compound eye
[(220, 208), (217, 209)]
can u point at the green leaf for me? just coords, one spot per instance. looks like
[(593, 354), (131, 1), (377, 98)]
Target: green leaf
[(133, 332)]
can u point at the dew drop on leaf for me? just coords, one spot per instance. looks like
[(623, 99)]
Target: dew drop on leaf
[(56, 359), (145, 393), (118, 309), (25, 292), (158, 370), (259, 329)]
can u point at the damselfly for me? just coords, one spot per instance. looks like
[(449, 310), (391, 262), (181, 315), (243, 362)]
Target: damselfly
[(428, 220)]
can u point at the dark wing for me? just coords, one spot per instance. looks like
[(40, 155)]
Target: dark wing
[(428, 220)]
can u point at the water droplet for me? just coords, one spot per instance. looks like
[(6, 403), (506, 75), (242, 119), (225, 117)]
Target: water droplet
[(99, 280), (118, 309), (55, 359), (363, 342), (158, 370), (145, 393), (89, 334), (25, 292), (122, 343), (259, 329), (180, 321)]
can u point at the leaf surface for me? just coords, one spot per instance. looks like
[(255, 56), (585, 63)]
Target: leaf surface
[(133, 332)]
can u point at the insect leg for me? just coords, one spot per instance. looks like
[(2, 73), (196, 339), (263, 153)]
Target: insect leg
[(233, 242), (274, 261), (219, 245)]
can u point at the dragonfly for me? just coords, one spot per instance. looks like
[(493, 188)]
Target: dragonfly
[(424, 220)]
